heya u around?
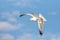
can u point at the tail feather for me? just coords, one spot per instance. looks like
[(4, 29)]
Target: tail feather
[(40, 32)]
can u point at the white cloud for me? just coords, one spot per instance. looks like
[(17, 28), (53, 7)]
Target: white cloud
[(55, 37), (27, 37), (53, 13), (25, 3), (10, 16), (22, 3), (6, 37), (50, 36), (6, 26), (9, 21), (13, 16), (10, 0)]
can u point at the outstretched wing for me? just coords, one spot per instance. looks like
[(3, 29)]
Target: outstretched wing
[(32, 14), (40, 24), (22, 15)]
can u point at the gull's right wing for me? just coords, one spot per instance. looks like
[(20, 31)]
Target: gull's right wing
[(40, 25)]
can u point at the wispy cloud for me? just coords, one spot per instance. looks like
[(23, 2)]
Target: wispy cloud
[(27, 37), (6, 26), (50, 36), (38, 37), (6, 37), (53, 13), (25, 3), (56, 37), (9, 21), (10, 16)]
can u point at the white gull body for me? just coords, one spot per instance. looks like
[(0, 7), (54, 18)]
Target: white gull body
[(40, 19)]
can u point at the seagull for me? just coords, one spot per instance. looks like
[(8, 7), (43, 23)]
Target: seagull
[(38, 18)]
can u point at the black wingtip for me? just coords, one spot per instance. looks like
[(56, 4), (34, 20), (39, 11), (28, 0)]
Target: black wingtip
[(22, 15), (40, 33)]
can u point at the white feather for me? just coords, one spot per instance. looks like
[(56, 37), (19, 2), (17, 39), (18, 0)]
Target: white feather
[(40, 15), (33, 19)]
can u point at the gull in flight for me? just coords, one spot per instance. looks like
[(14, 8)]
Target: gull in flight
[(39, 19)]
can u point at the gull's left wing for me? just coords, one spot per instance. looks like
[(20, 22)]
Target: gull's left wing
[(22, 15), (32, 14)]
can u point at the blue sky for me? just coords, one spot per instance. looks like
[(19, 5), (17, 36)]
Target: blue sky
[(12, 27)]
